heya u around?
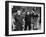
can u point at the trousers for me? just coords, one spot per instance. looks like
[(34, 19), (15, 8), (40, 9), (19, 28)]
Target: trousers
[(27, 24)]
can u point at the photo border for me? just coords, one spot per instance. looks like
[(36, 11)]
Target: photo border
[(7, 17)]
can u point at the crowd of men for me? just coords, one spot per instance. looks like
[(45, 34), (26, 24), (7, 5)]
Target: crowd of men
[(24, 20)]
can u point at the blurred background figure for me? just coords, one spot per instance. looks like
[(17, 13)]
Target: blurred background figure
[(13, 20), (35, 19)]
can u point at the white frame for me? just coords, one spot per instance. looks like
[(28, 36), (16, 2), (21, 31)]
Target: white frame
[(24, 32)]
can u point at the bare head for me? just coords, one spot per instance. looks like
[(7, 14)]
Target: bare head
[(19, 12), (28, 13), (34, 8)]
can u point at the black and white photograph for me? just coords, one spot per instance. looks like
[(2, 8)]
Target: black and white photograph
[(24, 18)]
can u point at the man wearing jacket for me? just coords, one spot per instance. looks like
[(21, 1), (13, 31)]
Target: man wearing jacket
[(28, 21)]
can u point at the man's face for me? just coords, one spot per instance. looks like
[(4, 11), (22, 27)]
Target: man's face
[(35, 8), (28, 13), (18, 12)]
